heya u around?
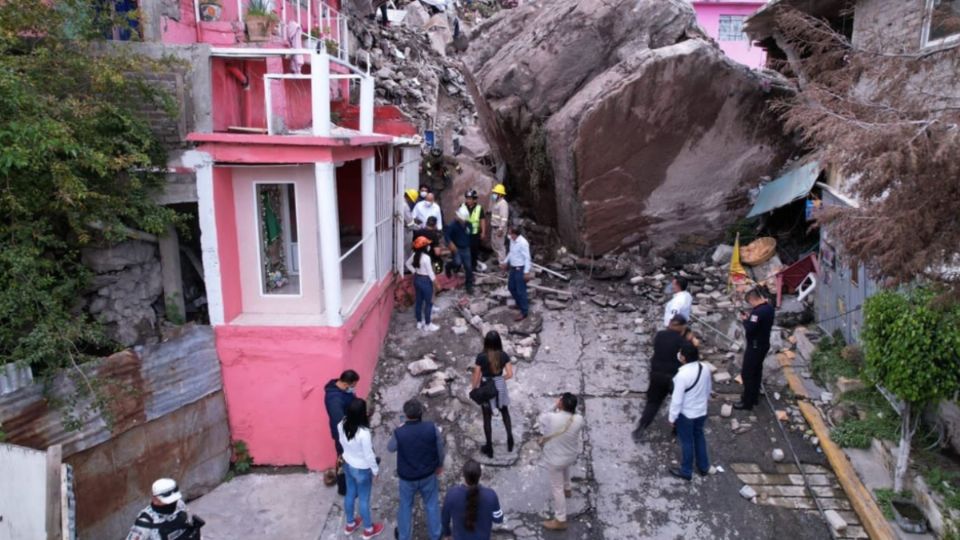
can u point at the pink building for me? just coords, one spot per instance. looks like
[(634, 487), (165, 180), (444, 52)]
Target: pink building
[(723, 21), (297, 179)]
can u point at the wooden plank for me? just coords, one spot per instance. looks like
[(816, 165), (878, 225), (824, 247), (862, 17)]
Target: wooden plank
[(53, 519)]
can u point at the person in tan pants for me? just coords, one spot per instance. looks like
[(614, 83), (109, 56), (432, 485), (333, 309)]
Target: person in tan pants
[(499, 222), (562, 444)]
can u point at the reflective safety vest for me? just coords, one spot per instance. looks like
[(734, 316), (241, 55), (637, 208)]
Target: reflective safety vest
[(474, 218)]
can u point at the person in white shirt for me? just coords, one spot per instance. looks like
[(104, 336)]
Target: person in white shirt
[(688, 411), (680, 303), (423, 279), (426, 208), (360, 467), (561, 443), (518, 266)]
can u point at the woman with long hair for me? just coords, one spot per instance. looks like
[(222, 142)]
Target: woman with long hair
[(360, 467), (494, 364), (423, 277), (470, 510)]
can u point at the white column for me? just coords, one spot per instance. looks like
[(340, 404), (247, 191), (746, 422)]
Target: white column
[(366, 104), (368, 191), (320, 92), (203, 165), (329, 226)]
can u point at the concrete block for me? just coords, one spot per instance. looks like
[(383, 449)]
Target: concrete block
[(837, 523)]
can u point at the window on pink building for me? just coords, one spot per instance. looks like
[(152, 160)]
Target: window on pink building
[(731, 28), (277, 227)]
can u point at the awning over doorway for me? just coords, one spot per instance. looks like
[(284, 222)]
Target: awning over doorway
[(793, 185)]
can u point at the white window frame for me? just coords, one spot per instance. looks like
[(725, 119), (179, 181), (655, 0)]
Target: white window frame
[(256, 223), (743, 35), (927, 22)]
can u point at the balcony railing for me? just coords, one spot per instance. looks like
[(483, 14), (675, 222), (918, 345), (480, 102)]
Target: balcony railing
[(315, 24)]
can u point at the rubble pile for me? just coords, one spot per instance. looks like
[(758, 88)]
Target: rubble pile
[(410, 72)]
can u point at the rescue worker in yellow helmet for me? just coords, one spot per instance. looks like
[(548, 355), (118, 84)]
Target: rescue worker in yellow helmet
[(499, 222), (478, 224)]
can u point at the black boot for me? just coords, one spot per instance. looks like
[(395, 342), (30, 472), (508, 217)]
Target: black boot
[(507, 423)]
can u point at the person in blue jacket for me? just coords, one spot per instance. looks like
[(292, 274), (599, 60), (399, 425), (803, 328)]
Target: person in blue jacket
[(470, 510)]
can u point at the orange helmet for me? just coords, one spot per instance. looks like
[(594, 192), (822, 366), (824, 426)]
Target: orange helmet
[(421, 242)]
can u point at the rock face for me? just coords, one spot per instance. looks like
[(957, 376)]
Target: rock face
[(619, 122), (126, 285)]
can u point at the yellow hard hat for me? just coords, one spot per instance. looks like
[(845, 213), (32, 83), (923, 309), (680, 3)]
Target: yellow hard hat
[(412, 194), (499, 189)]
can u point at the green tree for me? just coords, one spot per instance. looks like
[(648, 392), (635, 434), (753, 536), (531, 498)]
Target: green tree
[(912, 348), (77, 164)]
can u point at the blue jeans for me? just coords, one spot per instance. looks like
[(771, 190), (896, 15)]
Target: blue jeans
[(429, 490), (463, 258), (359, 483), (518, 289), (692, 445), (423, 288)]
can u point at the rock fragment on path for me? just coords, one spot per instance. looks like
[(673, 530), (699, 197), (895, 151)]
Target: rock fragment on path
[(726, 410), (837, 523), (777, 455), (721, 377), (748, 492), (423, 366)]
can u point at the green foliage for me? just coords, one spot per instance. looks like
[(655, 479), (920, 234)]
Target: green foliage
[(828, 361), (878, 420), (261, 8), (242, 461), (74, 151), (884, 497), (912, 345), (946, 483)]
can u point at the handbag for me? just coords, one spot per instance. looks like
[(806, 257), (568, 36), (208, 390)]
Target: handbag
[(341, 478), (485, 392)]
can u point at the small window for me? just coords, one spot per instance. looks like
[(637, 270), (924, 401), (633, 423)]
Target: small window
[(731, 28), (942, 24), (277, 230)]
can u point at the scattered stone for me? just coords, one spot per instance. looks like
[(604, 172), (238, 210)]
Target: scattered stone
[(722, 254), (721, 377), (826, 397), (847, 384), (748, 492), (436, 386), (777, 455), (422, 366), (480, 307), (554, 305), (782, 415), (734, 425), (459, 330), (815, 441), (837, 523), (726, 410)]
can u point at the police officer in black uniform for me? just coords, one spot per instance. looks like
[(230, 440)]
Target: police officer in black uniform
[(757, 325), (663, 366)]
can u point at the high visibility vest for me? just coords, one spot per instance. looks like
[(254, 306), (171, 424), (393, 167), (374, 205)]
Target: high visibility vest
[(474, 218)]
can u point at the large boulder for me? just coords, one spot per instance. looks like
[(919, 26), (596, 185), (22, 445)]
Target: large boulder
[(620, 122)]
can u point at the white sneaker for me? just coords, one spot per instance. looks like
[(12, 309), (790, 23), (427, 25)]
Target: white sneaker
[(431, 327), (419, 325)]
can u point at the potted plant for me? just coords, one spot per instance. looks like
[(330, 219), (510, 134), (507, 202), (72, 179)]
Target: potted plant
[(333, 47), (260, 20)]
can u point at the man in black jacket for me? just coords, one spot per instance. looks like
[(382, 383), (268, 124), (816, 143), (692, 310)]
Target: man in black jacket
[(663, 366), (420, 453), (338, 393), (757, 326)]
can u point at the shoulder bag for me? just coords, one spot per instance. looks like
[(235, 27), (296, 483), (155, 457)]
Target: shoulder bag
[(544, 440), (485, 392)]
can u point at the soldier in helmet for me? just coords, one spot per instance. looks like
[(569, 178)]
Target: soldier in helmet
[(167, 517), (478, 224)]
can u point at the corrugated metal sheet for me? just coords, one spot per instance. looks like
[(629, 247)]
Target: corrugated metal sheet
[(14, 377), (793, 185), (842, 290), (145, 384)]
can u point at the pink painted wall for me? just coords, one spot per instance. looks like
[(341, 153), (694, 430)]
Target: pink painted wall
[(273, 379), (708, 15), (227, 247)]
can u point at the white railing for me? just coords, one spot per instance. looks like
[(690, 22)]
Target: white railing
[(329, 22)]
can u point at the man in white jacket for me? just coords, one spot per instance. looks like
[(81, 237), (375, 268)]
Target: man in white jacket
[(561, 444), (688, 411), (681, 302)]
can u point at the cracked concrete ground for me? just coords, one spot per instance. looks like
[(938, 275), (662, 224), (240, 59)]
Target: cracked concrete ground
[(621, 488)]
